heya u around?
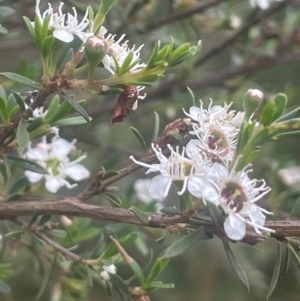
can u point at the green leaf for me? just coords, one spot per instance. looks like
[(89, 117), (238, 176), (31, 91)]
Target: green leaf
[(296, 209), (22, 135), (268, 113), (276, 270), (151, 61), (22, 80), (29, 27), (3, 110), (141, 215), (235, 265), (139, 136), (124, 241), (160, 285), (76, 106), (4, 288), (78, 120), (109, 175), (118, 282), (286, 262), (2, 93), (19, 100), (89, 276), (280, 102), (21, 183), (156, 269), (126, 64), (68, 57), (156, 126), (58, 233), (292, 114), (215, 215), (183, 244), (47, 45), (113, 199), (45, 218), (83, 235), (26, 164), (137, 270), (14, 235), (192, 96), (35, 124), (294, 253)]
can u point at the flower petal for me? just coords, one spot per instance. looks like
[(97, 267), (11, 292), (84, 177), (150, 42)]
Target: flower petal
[(52, 183), (76, 172), (159, 187), (234, 227), (63, 35), (33, 177)]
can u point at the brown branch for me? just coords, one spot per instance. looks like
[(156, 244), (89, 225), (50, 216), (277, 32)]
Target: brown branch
[(66, 253), (196, 9), (73, 207)]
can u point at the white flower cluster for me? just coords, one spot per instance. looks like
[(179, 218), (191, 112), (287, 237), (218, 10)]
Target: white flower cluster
[(203, 168), (54, 158), (106, 270)]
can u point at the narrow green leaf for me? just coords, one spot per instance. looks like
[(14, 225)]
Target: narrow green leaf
[(22, 135), (35, 124), (124, 241), (19, 100), (29, 27), (292, 114), (160, 285), (109, 174), (183, 244), (118, 282), (215, 214), (26, 164), (280, 102), (78, 120), (113, 199), (156, 126), (4, 288), (22, 80), (151, 61), (139, 136), (45, 218), (295, 212), (46, 46), (294, 253), (89, 276), (58, 233), (3, 110), (137, 271), (192, 96), (126, 64), (141, 215), (286, 262), (156, 269), (276, 270), (14, 235), (235, 265), (76, 106), (69, 55), (2, 93)]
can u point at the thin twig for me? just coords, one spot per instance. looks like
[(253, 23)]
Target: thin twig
[(66, 253)]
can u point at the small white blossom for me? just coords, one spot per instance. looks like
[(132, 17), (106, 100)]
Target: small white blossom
[(120, 52), (54, 158), (176, 168), (106, 270), (262, 4), (237, 194), (64, 26)]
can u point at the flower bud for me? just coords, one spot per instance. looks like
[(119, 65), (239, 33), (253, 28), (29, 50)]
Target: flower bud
[(252, 101), (95, 49)]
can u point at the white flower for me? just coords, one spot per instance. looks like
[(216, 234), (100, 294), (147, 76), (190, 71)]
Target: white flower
[(141, 189), (237, 194), (53, 157), (106, 270), (263, 4), (216, 130), (64, 26), (192, 172), (120, 52)]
